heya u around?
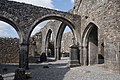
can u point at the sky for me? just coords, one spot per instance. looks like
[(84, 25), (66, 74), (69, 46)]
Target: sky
[(7, 30)]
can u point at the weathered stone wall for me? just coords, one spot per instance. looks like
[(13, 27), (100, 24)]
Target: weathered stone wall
[(35, 44), (54, 27), (105, 14), (9, 50), (66, 42)]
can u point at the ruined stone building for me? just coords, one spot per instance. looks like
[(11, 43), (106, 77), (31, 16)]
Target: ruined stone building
[(100, 31), (94, 24), (48, 32)]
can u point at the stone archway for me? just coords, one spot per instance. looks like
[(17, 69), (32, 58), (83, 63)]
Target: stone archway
[(49, 46), (64, 23), (90, 45), (59, 38), (12, 43)]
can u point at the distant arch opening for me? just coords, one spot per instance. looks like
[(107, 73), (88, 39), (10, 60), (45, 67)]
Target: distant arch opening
[(66, 42), (49, 44), (35, 43)]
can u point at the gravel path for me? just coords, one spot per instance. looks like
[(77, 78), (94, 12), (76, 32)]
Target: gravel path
[(59, 71)]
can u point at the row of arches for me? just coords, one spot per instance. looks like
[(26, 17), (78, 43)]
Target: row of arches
[(56, 45), (24, 47), (89, 40)]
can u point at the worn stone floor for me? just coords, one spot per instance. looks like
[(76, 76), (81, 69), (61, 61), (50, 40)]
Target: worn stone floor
[(59, 71)]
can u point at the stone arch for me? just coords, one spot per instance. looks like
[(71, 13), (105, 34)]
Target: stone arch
[(63, 19), (59, 38), (12, 24), (90, 45), (49, 17), (16, 28), (48, 43)]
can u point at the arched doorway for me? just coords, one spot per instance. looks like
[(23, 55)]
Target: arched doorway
[(90, 45)]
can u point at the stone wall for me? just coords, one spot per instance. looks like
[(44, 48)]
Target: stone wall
[(52, 25), (9, 50), (105, 14), (66, 42)]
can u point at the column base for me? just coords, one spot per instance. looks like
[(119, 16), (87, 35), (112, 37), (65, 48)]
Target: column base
[(73, 63)]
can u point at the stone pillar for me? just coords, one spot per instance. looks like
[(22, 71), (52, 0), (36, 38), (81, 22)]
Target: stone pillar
[(81, 56), (46, 51), (58, 55), (85, 56), (119, 56), (23, 56), (74, 56)]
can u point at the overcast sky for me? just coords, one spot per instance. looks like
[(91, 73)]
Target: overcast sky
[(64, 5)]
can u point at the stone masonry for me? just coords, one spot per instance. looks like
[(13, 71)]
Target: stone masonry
[(9, 50), (105, 14), (25, 17), (95, 26)]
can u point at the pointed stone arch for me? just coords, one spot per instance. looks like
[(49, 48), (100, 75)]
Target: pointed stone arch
[(59, 37), (48, 43), (51, 17), (89, 54)]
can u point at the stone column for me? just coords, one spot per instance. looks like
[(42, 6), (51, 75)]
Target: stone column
[(74, 56), (23, 56), (119, 56), (85, 54), (81, 55), (46, 51), (58, 55)]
